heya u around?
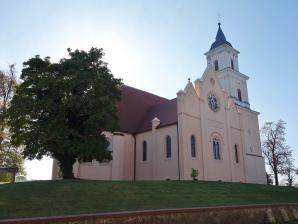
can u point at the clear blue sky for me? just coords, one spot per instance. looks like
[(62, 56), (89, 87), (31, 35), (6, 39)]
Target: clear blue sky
[(157, 45)]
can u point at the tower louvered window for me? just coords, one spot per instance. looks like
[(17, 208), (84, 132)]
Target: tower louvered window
[(239, 95), (216, 65)]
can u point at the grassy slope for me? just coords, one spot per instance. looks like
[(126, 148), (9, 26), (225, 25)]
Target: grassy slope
[(43, 198)]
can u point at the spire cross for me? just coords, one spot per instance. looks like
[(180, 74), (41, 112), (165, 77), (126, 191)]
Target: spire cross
[(218, 19)]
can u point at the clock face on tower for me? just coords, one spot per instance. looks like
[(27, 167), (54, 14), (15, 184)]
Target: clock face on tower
[(213, 102)]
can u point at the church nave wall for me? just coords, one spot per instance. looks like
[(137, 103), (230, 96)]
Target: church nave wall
[(157, 166), (190, 126), (144, 168)]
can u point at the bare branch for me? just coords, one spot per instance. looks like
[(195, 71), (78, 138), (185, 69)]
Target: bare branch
[(277, 153), (7, 85)]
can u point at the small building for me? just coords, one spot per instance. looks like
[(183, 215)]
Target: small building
[(209, 126)]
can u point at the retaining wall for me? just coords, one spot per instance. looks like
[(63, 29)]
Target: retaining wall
[(245, 214)]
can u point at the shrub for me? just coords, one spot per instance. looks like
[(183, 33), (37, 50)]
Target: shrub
[(194, 174)]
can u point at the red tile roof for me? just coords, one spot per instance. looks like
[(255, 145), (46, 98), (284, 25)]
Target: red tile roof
[(137, 109)]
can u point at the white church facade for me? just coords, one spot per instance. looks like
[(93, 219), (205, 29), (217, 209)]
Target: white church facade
[(209, 127)]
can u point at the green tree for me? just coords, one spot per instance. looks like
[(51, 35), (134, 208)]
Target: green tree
[(61, 109), (9, 156)]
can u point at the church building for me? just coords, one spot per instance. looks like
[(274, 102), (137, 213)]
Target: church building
[(209, 126)]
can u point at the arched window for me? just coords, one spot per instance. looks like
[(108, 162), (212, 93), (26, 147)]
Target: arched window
[(193, 146), (239, 95), (232, 64), (144, 151), (168, 147), (216, 65), (216, 149), (236, 153)]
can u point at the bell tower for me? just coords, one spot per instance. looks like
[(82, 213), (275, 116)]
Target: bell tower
[(224, 58)]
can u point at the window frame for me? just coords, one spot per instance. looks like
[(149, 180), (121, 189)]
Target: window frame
[(144, 151), (168, 147), (216, 148), (193, 152), (236, 153)]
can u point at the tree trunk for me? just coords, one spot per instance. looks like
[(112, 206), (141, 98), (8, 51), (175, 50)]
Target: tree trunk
[(276, 177), (66, 166)]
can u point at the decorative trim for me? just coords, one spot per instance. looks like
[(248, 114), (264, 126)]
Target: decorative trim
[(235, 128), (189, 115), (118, 133), (246, 109), (254, 155), (221, 48)]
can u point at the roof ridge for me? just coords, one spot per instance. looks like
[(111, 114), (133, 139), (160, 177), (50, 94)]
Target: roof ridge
[(146, 92)]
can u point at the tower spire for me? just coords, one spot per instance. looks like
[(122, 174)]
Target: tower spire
[(220, 38)]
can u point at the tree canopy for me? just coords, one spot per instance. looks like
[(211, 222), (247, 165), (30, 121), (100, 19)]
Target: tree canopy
[(61, 109)]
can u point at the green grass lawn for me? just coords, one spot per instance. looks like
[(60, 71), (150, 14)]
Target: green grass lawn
[(46, 198)]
